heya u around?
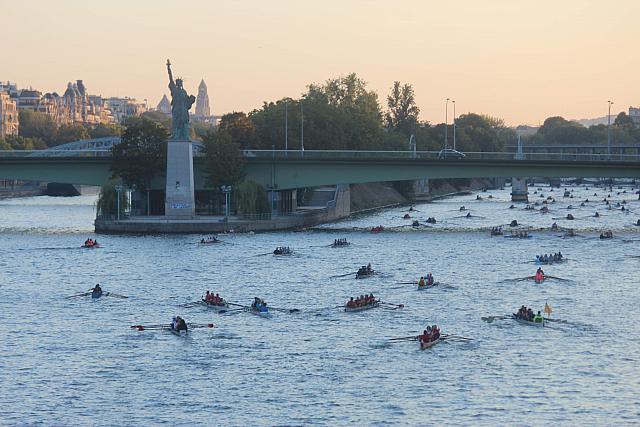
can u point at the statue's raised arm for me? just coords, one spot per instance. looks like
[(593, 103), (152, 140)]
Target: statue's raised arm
[(171, 82)]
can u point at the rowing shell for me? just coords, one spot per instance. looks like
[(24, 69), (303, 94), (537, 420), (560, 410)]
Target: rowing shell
[(426, 345), (258, 313), (180, 333), (526, 322), (362, 307), (365, 275), (425, 286), (217, 307), (96, 295)]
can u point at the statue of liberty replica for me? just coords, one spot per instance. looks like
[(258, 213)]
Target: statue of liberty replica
[(179, 190), (181, 102)]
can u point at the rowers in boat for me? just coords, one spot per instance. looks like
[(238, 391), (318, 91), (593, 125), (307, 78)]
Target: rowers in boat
[(606, 235), (90, 244), (259, 307), (96, 292), (429, 337), (426, 281), (377, 229), (365, 271), (497, 231), (282, 250), (338, 243), (539, 276), (209, 240), (214, 301), (550, 258), (178, 326), (525, 315), (361, 303)]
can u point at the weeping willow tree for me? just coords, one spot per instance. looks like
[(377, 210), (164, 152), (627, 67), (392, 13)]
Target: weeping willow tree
[(251, 199), (107, 204)]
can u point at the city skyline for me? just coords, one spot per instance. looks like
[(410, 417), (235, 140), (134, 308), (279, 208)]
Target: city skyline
[(517, 61)]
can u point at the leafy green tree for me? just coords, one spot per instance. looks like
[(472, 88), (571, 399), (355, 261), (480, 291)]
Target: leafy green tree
[(4, 145), (69, 133), (107, 204), (223, 160), (156, 116), (104, 130), (37, 125), (251, 198), (142, 154), (403, 111), (240, 127), (22, 143)]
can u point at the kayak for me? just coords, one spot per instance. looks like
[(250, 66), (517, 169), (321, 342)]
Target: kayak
[(362, 307), (526, 322), (426, 345)]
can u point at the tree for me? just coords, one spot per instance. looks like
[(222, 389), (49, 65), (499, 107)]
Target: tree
[(104, 130), (223, 160), (142, 154), (70, 133), (251, 198), (22, 143), (624, 121), (107, 204), (4, 145), (240, 127), (37, 125), (403, 111)]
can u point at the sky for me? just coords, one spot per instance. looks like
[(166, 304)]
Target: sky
[(520, 60)]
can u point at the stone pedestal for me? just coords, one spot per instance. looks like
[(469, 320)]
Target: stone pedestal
[(519, 190), (179, 196)]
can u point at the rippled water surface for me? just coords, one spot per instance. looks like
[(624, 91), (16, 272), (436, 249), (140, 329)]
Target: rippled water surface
[(77, 362)]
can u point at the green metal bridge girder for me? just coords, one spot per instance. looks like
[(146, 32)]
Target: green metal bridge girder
[(285, 174)]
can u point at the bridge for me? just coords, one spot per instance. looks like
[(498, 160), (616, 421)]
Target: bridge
[(283, 170)]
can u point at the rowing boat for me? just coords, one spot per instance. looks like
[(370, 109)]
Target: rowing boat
[(264, 314), (526, 322), (218, 307), (96, 295), (362, 307), (426, 345), (94, 246), (364, 274), (180, 333), (426, 286)]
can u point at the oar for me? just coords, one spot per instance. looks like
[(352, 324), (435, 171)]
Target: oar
[(235, 310), (285, 310), (190, 304), (557, 278), (490, 319), (237, 305), (390, 303), (410, 338), (548, 319), (458, 337), (407, 283), (201, 325), (111, 294), (144, 327), (78, 295), (341, 275)]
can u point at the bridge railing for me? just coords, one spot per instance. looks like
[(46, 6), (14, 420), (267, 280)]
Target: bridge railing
[(102, 152), (429, 155)]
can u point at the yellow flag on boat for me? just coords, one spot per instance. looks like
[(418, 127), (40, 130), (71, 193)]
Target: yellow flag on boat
[(547, 309)]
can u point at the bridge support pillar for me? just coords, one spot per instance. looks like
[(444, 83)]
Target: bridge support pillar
[(519, 190), (179, 194)]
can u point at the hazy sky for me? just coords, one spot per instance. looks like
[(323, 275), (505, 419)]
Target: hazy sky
[(516, 59)]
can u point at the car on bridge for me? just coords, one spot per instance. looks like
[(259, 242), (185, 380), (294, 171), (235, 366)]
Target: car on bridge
[(450, 153)]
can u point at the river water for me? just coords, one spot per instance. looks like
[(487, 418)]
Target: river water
[(77, 362)]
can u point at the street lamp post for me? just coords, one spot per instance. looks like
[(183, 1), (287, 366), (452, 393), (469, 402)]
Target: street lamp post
[(446, 122), (454, 124), (286, 126), (118, 189), (301, 128), (226, 189), (609, 131)]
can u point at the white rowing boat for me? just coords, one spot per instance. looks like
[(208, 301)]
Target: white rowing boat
[(362, 307), (264, 314), (224, 306)]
